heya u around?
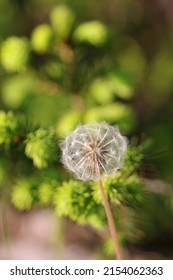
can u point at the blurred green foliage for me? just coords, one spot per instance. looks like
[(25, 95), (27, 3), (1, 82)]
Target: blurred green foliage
[(68, 62), (42, 38), (8, 126), (15, 54)]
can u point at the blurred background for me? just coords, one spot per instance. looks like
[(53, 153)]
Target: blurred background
[(68, 62)]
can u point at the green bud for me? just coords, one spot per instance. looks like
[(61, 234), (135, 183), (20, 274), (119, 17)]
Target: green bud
[(21, 195), (92, 32), (15, 54), (40, 147), (8, 126), (67, 123), (62, 19), (16, 89), (42, 38), (45, 193)]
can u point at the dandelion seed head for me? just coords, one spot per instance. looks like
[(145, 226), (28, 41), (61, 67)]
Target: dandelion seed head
[(93, 145)]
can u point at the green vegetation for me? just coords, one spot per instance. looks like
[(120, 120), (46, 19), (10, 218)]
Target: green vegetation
[(72, 68)]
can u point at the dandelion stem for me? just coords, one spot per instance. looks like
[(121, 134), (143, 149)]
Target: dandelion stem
[(110, 219), (111, 222)]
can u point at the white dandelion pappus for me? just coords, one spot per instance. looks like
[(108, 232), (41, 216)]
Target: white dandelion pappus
[(93, 145)]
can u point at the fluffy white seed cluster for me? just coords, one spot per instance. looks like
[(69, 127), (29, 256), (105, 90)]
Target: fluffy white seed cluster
[(91, 147)]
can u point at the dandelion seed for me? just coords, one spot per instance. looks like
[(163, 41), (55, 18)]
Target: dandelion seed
[(90, 143)]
